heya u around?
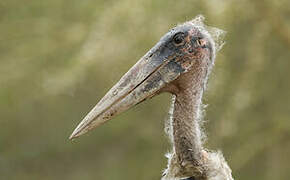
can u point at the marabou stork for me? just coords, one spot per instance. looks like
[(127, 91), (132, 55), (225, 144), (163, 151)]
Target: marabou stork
[(180, 64)]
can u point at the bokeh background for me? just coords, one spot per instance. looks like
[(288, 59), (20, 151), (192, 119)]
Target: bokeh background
[(59, 57)]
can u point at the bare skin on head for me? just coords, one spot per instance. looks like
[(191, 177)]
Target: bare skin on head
[(180, 64)]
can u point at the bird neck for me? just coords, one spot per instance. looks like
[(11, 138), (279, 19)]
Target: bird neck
[(187, 134)]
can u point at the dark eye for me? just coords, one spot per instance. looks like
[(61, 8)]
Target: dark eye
[(178, 39)]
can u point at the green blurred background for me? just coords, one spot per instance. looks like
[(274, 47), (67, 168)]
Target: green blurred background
[(59, 57)]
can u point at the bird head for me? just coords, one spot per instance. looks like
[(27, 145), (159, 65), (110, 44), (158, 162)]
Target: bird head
[(172, 57)]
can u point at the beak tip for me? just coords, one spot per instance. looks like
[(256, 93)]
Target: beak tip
[(76, 133), (71, 137)]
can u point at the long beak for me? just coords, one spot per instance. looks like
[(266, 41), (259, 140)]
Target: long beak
[(142, 81)]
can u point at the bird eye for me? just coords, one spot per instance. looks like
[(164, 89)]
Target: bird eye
[(178, 39)]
